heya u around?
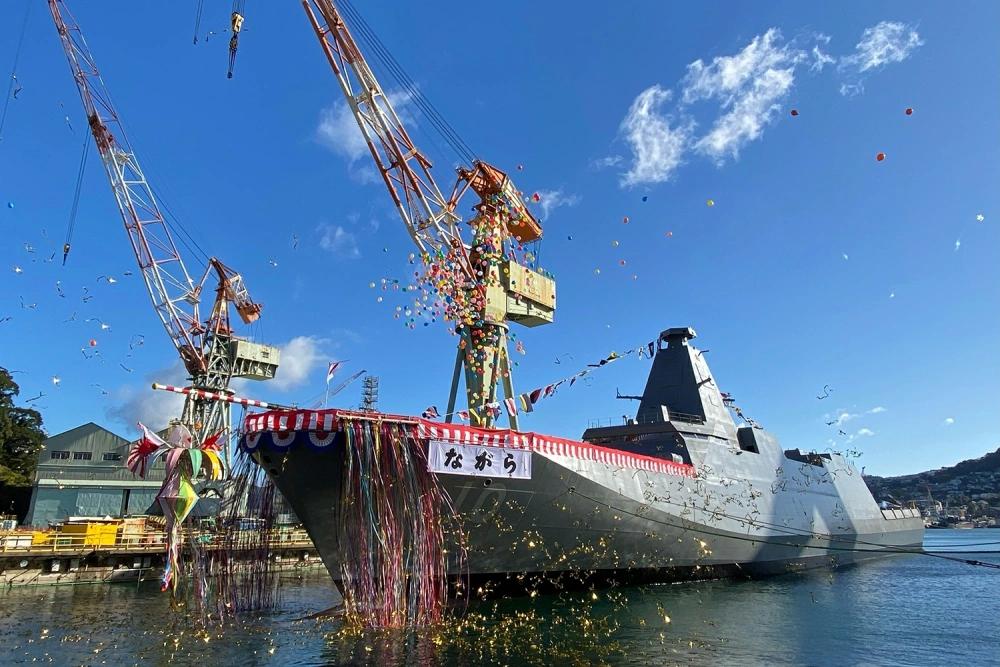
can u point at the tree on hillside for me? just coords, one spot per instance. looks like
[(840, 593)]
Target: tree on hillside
[(21, 436)]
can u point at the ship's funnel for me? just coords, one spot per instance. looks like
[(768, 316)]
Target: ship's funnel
[(681, 383)]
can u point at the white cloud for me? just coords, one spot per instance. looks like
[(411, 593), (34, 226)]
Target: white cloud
[(339, 241), (878, 409), (884, 43), (299, 357), (338, 130), (851, 89), (820, 59), (131, 404), (949, 421), (606, 162), (550, 200), (864, 432), (749, 86), (657, 147)]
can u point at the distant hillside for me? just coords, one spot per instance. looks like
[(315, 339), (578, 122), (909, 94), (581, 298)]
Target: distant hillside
[(974, 479)]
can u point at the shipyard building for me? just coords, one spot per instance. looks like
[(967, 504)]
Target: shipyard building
[(82, 473)]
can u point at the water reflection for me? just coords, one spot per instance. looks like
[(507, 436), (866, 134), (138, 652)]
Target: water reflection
[(912, 610)]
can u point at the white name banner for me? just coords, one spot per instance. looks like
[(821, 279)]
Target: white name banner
[(478, 461)]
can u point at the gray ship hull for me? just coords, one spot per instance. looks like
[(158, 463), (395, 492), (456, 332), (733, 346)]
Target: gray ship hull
[(581, 518), (677, 492)]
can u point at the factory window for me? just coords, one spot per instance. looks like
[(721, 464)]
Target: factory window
[(82, 456), (112, 456), (59, 455)]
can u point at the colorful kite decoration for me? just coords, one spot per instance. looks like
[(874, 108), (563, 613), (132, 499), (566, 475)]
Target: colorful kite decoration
[(185, 461)]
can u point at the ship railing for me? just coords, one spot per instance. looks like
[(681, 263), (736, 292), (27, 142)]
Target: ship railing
[(646, 417)]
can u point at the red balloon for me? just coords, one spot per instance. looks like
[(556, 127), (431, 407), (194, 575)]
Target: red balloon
[(909, 111), (795, 112), (93, 343), (880, 157), (536, 197)]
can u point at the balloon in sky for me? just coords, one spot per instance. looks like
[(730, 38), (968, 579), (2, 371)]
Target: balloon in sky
[(795, 112), (880, 156), (93, 343), (710, 203), (909, 111), (625, 220)]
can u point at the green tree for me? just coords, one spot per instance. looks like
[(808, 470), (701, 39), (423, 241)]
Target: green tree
[(21, 436)]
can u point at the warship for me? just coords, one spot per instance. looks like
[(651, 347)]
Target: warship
[(678, 491)]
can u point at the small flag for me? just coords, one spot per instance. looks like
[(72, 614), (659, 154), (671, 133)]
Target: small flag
[(331, 370), (511, 404), (535, 395), (212, 442), (463, 415), (430, 413), (141, 450)]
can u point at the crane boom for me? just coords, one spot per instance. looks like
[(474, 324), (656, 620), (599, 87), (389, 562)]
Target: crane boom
[(210, 352), (429, 217), (173, 293), (486, 287)]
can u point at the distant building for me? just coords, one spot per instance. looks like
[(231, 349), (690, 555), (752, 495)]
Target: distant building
[(82, 473)]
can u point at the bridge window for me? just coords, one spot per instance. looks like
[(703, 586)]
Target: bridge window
[(82, 456), (59, 454), (112, 456)]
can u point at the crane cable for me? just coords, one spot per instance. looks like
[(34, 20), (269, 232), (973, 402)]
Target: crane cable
[(382, 53), (13, 71), (197, 19), (76, 197)]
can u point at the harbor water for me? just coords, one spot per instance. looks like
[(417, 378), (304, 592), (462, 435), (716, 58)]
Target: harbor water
[(909, 610)]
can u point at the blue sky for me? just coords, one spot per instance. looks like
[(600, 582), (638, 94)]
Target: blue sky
[(601, 109)]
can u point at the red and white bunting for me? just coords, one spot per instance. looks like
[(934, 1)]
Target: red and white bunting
[(330, 420), (214, 396)]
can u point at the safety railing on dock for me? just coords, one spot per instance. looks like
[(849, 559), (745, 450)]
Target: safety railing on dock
[(21, 544)]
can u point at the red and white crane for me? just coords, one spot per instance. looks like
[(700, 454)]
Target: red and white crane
[(211, 354), (490, 287)]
